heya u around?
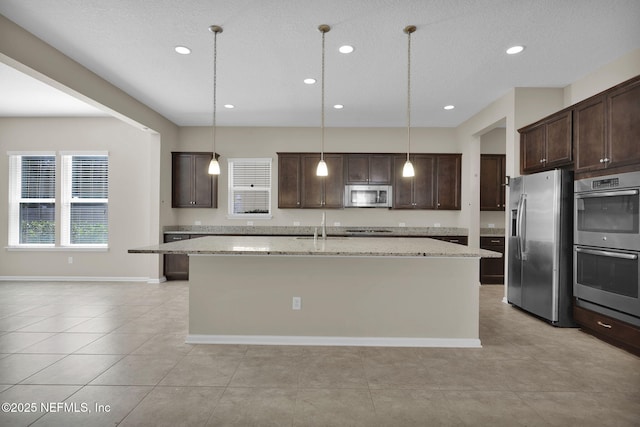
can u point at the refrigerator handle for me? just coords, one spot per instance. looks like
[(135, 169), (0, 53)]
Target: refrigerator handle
[(520, 230)]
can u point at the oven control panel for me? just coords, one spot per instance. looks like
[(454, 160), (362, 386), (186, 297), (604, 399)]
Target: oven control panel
[(605, 183)]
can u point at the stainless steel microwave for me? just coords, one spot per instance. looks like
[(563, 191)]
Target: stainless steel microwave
[(368, 196)]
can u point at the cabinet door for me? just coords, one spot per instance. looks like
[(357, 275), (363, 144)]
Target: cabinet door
[(558, 140), (448, 182), (380, 169), (203, 194), (624, 125), (333, 184), (492, 269), (589, 134), (491, 182), (532, 144), (357, 168), (424, 188), (181, 177), (311, 190), (192, 186), (289, 180), (402, 187), (176, 266)]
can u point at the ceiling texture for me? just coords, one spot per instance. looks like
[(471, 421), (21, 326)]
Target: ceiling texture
[(269, 46)]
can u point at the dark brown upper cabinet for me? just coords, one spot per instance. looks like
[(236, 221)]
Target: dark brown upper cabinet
[(368, 169), (289, 180), (436, 184), (492, 182), (607, 130), (299, 187), (192, 186), (546, 144)]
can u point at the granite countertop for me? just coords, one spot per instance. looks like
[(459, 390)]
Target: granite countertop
[(492, 232), (336, 246), (309, 230)]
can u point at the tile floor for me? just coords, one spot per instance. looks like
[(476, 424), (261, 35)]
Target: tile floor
[(113, 353)]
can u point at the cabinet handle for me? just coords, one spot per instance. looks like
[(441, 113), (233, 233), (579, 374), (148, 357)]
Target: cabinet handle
[(541, 160), (601, 160), (604, 325), (496, 241), (606, 160)]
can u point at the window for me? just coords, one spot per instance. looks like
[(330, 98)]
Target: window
[(32, 197), (82, 203), (85, 200), (250, 188)]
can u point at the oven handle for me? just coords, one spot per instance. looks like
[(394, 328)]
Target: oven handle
[(607, 194), (607, 253)]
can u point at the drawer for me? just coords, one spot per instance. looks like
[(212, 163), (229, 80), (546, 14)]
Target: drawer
[(491, 241), (175, 237), (461, 240), (609, 329)]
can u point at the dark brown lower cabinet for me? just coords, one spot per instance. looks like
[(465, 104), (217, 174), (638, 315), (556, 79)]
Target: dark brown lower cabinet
[(176, 266), (461, 240), (492, 269), (616, 332)]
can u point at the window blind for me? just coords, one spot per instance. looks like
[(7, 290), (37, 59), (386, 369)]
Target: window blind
[(85, 200), (32, 192), (250, 187)]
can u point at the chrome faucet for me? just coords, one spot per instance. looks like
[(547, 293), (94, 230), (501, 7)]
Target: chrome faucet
[(323, 224)]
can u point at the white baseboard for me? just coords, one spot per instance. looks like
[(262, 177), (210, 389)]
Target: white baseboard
[(505, 300), (334, 341), (77, 279)]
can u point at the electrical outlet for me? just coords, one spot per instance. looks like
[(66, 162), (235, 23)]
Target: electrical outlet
[(492, 226), (437, 224), (336, 224), (70, 260), (198, 223), (296, 303), (249, 222), (402, 224), (296, 223)]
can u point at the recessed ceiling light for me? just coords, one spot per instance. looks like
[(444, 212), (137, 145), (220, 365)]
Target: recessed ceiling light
[(183, 50), (309, 81), (515, 49), (449, 107), (338, 106), (345, 49)]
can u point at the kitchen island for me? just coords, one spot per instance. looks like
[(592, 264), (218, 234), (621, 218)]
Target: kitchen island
[(340, 291)]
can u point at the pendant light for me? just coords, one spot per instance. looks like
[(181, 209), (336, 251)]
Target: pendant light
[(407, 170), (214, 166), (322, 169)]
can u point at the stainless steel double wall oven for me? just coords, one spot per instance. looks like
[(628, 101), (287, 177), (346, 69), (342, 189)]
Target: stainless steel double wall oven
[(607, 245)]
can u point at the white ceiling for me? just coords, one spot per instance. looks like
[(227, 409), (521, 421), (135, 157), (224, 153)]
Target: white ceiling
[(268, 48)]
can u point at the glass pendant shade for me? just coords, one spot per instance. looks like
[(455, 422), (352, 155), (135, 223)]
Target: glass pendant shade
[(407, 170), (322, 169), (214, 167)]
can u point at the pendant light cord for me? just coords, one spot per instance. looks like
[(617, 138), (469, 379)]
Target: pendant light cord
[(215, 62), (408, 94), (322, 102)]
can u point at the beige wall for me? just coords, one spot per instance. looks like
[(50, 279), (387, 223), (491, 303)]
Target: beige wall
[(130, 158), (516, 108), (266, 142)]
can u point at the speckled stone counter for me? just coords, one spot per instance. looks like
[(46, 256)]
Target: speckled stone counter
[(492, 232), (307, 245), (413, 292), (309, 230)]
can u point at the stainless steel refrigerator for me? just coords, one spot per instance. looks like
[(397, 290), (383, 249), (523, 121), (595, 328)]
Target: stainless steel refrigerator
[(540, 273)]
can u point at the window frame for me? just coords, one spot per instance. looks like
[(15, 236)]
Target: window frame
[(16, 199), (62, 201), (67, 199), (231, 188)]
